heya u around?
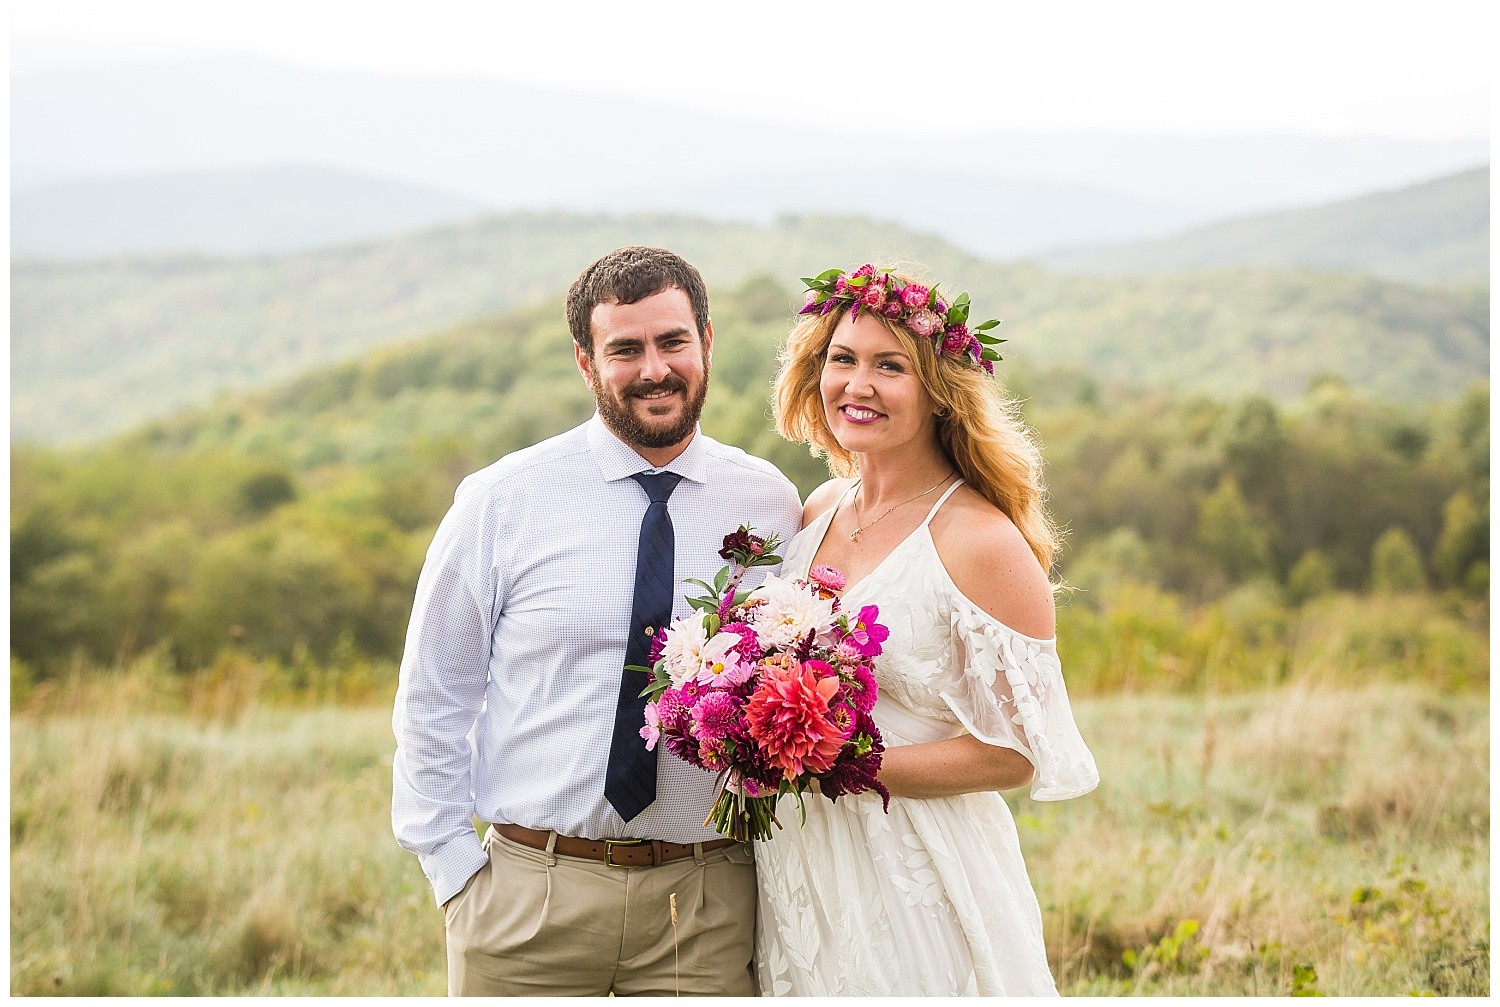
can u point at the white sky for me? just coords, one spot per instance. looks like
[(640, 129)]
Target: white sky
[(1333, 67)]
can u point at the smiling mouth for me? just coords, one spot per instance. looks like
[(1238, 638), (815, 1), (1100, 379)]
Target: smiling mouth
[(860, 414)]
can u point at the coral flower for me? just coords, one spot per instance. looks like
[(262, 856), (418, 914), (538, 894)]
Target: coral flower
[(788, 717)]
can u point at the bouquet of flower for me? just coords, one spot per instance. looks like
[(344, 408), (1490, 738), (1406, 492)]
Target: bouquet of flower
[(772, 689)]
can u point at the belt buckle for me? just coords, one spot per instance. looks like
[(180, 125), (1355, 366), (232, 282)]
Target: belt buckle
[(609, 846)]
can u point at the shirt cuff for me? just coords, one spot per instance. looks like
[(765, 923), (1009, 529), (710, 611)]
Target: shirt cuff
[(450, 867)]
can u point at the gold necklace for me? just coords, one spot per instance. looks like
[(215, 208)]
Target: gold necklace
[(854, 535)]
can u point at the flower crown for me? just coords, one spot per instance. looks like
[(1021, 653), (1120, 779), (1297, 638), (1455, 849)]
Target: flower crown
[(918, 308)]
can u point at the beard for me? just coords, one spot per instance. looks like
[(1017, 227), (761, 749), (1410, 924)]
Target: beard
[(633, 429)]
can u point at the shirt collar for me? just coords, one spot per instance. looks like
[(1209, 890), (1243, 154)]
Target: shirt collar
[(618, 460)]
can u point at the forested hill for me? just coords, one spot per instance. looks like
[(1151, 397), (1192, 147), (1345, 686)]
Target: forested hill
[(1436, 231), (293, 520), (101, 347)]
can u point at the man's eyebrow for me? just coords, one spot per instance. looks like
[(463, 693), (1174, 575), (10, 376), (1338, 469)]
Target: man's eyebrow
[(680, 330)]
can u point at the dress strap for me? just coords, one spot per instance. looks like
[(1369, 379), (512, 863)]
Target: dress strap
[(832, 511), (941, 500)]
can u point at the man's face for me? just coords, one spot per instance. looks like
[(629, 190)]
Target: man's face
[(648, 371)]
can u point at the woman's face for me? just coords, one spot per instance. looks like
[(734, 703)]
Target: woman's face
[(873, 399)]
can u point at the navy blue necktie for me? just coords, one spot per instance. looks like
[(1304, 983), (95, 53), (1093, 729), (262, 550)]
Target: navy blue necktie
[(630, 779)]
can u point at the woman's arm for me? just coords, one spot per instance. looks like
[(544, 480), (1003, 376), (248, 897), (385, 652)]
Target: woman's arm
[(992, 565), (962, 765)]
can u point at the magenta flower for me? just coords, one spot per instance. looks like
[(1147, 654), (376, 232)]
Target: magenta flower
[(861, 687), (865, 633), (925, 323), (914, 295), (892, 308), (940, 306)]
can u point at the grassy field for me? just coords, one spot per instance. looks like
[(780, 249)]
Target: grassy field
[(1307, 838)]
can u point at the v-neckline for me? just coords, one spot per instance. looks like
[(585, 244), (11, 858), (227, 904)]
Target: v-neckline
[(827, 519)]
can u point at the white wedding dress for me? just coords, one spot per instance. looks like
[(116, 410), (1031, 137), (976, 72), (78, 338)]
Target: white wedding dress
[(933, 898)]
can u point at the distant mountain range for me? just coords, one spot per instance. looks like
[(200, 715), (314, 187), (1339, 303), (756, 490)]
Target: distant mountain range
[(244, 212), (1438, 230), (513, 148), (99, 347)]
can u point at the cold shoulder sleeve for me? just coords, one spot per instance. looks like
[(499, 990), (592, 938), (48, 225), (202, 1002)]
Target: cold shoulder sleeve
[(1010, 693)]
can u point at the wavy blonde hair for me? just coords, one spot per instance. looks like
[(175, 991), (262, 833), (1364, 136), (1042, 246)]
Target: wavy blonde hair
[(980, 429)]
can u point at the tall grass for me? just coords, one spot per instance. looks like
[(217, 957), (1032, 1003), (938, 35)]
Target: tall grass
[(1322, 837)]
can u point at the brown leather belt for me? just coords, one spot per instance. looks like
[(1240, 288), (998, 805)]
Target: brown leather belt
[(614, 852)]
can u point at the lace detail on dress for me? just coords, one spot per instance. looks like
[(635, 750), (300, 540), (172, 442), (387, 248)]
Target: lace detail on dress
[(933, 898), (1012, 695)]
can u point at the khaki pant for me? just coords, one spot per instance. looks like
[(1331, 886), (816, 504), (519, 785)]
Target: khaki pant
[(530, 923)]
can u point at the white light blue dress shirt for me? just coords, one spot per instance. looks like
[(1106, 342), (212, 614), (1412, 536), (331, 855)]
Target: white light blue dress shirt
[(513, 658)]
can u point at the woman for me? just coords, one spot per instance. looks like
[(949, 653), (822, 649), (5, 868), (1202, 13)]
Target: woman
[(943, 528)]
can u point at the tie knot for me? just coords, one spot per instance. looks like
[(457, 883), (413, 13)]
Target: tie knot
[(658, 485)]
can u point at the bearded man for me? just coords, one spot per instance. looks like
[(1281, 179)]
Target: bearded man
[(548, 576)]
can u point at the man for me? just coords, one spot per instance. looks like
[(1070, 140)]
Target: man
[(596, 875)]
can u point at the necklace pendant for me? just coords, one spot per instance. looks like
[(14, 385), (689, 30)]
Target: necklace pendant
[(854, 535)]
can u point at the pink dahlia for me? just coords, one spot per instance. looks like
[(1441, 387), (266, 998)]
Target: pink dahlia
[(914, 295), (862, 690), (788, 718), (827, 577), (670, 711), (925, 323), (713, 716), (749, 646)]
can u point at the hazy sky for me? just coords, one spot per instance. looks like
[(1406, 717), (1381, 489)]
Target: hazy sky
[(1331, 67)]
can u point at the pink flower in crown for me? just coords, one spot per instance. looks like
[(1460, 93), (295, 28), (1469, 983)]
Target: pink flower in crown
[(925, 323), (868, 269), (956, 339), (713, 716), (652, 731), (940, 306), (874, 295), (826, 576), (988, 365), (812, 298), (892, 308), (914, 295), (865, 634), (975, 347), (841, 285)]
